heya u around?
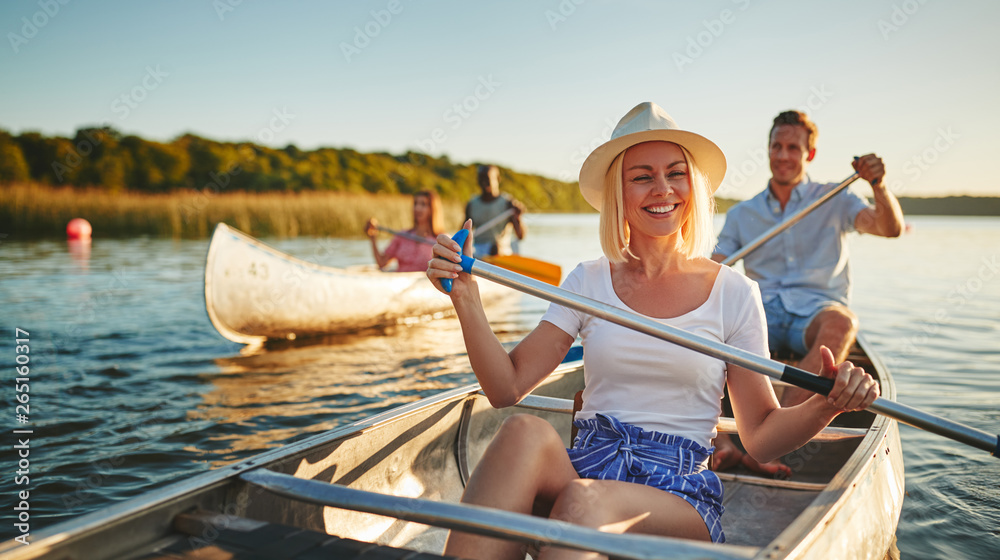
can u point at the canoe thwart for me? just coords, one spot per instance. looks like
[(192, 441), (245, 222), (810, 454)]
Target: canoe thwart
[(490, 522), (772, 482)]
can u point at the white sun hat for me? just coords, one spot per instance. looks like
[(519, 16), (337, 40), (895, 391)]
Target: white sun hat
[(647, 122)]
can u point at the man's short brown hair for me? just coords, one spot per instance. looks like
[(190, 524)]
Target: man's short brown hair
[(796, 118)]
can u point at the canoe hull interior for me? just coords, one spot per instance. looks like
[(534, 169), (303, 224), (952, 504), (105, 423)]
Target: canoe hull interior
[(417, 457), (846, 506)]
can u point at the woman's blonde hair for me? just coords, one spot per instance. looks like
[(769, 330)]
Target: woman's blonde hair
[(696, 227)]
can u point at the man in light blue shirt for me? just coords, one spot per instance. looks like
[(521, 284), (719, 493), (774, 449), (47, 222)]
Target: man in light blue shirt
[(804, 273)]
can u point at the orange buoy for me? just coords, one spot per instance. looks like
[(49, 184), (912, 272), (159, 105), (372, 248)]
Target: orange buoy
[(78, 228)]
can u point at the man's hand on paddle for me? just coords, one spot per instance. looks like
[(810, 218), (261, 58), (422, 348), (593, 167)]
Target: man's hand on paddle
[(853, 388), (518, 207), (870, 168)]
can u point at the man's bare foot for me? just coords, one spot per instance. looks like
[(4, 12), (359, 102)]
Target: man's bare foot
[(727, 455), (774, 469)]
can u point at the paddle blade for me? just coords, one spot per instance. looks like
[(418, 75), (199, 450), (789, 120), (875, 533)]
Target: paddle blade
[(533, 268)]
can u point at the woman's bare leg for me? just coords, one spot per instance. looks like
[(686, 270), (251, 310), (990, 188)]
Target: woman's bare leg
[(623, 507), (526, 465)]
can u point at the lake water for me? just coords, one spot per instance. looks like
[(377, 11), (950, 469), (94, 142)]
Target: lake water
[(131, 387)]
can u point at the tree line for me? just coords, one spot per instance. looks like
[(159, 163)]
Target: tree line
[(102, 158), (105, 159)]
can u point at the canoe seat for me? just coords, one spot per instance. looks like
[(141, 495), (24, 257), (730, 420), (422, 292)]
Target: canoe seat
[(203, 534)]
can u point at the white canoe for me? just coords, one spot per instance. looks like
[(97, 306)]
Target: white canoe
[(389, 485), (254, 292)]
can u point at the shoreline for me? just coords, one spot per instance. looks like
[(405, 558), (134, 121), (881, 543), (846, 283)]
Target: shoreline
[(38, 211), (41, 212)]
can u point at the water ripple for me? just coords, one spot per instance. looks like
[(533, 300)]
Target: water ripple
[(139, 390)]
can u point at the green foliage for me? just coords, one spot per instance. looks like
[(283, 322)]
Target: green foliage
[(13, 167), (103, 159), (951, 206)]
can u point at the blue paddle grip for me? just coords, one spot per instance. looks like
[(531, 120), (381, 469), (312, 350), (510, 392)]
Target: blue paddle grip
[(466, 263), (996, 452)]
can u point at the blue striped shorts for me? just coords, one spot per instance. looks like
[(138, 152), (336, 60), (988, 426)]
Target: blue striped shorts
[(608, 449)]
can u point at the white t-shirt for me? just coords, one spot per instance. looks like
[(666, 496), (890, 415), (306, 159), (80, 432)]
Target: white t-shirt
[(654, 384)]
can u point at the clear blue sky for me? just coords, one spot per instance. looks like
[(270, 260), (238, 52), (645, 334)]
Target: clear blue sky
[(530, 85)]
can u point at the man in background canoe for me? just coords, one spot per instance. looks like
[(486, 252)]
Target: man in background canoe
[(803, 273), (495, 240)]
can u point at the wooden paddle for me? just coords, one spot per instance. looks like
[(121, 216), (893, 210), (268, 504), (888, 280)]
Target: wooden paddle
[(729, 354), (787, 223), (547, 272), (501, 217), (539, 270)]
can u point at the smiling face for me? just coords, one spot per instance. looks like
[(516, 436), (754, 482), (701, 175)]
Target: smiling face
[(655, 189), (789, 154)]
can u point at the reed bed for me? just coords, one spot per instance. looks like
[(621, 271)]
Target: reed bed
[(33, 211)]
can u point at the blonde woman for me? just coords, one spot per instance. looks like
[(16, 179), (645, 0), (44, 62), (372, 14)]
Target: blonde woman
[(639, 461)]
